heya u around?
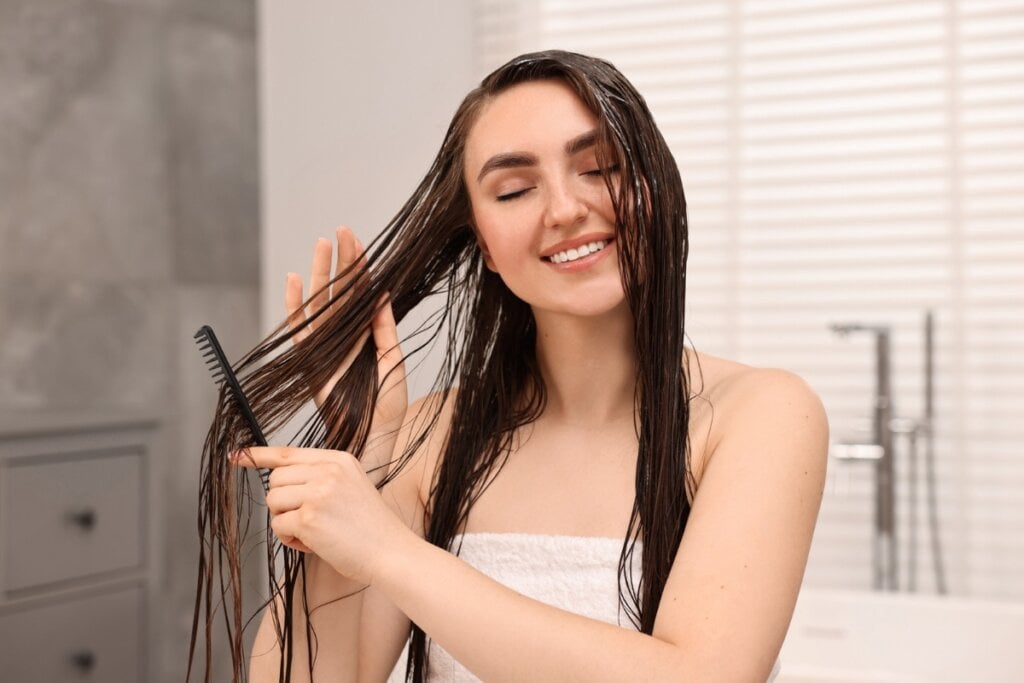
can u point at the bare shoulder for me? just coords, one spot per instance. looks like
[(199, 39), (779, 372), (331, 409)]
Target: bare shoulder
[(734, 400), (431, 414), (422, 437), (740, 564)]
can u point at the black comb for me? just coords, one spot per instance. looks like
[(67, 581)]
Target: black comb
[(219, 367)]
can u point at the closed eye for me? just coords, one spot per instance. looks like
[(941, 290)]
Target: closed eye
[(512, 195), (599, 171)]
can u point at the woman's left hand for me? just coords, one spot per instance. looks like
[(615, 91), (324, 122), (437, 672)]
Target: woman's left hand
[(322, 501)]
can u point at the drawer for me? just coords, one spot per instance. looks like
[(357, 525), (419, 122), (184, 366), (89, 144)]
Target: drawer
[(89, 639), (73, 517)]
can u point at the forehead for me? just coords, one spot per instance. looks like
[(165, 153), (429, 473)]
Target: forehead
[(537, 116)]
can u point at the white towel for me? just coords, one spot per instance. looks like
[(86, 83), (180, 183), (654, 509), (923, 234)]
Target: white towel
[(575, 573)]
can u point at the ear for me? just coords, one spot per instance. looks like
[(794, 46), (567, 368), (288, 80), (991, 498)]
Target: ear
[(488, 261)]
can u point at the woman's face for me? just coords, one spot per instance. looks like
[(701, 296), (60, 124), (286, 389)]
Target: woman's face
[(543, 214)]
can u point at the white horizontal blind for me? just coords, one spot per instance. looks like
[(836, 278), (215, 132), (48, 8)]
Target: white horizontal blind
[(844, 202), (848, 161), (988, 40)]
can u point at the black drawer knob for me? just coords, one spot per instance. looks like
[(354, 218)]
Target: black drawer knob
[(84, 661), (84, 519)]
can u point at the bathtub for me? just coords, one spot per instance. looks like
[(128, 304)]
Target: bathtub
[(866, 637)]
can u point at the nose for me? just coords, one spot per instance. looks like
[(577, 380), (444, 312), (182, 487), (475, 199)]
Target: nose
[(565, 207)]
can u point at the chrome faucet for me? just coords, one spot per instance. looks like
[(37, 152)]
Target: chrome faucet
[(885, 558), (886, 428)]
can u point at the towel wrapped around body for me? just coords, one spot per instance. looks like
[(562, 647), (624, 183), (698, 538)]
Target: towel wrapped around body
[(575, 573)]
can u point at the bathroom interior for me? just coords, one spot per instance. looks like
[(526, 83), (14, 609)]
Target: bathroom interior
[(855, 190)]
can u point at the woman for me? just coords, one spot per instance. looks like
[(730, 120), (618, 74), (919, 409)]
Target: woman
[(564, 419)]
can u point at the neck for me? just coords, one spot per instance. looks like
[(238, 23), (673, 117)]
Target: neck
[(588, 365)]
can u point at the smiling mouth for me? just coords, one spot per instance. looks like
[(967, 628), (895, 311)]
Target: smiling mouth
[(570, 255)]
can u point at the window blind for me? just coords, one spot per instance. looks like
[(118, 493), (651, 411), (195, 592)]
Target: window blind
[(847, 161)]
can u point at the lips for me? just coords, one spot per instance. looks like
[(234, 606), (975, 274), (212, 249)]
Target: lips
[(576, 243), (582, 251), (580, 263)]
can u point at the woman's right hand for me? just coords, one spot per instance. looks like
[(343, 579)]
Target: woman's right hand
[(389, 412)]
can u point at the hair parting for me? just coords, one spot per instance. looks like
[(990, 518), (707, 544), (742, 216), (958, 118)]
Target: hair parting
[(489, 375)]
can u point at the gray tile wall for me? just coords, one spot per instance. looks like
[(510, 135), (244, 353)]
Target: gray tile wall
[(128, 217)]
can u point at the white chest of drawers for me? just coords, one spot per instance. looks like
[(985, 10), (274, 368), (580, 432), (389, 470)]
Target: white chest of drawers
[(78, 502)]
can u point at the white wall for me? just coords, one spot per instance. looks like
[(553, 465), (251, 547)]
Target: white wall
[(848, 162), (354, 101)]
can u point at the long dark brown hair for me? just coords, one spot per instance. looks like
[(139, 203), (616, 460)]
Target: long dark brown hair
[(489, 335)]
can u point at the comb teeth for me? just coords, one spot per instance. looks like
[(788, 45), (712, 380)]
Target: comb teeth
[(213, 364), (218, 365)]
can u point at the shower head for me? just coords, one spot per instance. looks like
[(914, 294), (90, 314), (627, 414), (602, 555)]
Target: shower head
[(846, 329)]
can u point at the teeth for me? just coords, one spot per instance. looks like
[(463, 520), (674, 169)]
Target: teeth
[(579, 252)]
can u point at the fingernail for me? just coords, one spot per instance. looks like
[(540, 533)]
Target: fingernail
[(240, 454)]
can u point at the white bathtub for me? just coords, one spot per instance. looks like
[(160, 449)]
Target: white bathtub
[(867, 637)]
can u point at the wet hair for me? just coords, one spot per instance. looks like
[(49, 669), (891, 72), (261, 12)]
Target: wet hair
[(489, 373)]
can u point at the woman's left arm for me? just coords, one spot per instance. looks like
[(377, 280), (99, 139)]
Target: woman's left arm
[(728, 599)]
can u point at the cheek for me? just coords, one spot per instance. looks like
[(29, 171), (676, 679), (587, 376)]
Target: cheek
[(601, 200), (505, 248), (486, 236), (504, 237)]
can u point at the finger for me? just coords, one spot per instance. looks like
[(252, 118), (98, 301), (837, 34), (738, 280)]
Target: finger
[(293, 307), (385, 336), (347, 249), (292, 475), (282, 499), (286, 526), (320, 275), (348, 253), (358, 276), (296, 544), (390, 368), (280, 456)]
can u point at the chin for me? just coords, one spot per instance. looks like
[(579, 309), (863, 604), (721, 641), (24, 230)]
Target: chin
[(593, 305)]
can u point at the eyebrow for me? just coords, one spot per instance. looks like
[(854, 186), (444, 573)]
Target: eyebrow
[(520, 159)]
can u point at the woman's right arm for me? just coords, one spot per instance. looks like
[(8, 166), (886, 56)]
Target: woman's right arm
[(359, 637), (341, 609)]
